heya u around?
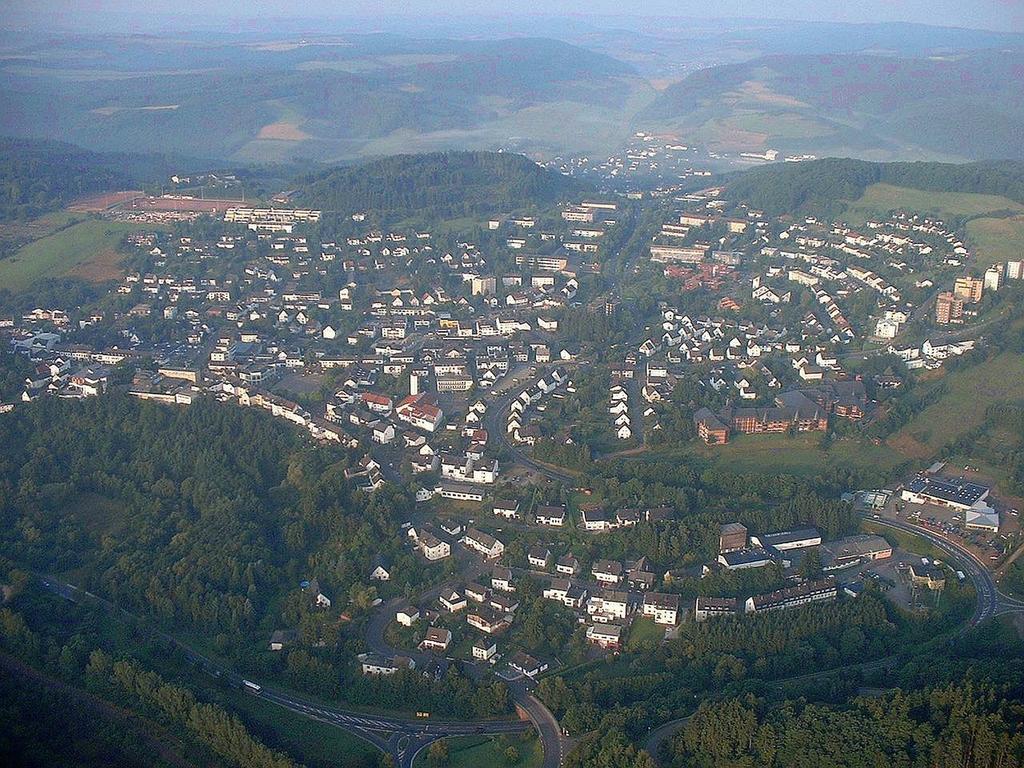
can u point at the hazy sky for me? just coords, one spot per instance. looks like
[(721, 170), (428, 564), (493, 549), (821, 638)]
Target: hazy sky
[(1002, 15)]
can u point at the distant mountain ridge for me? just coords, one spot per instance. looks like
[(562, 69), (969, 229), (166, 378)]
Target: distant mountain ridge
[(439, 184), (960, 107), (822, 186), (324, 99)]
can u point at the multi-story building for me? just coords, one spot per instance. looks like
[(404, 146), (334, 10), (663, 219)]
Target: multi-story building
[(993, 277), (663, 607), (949, 308), (969, 289), (793, 597), (608, 605), (607, 636), (711, 607), (732, 537)]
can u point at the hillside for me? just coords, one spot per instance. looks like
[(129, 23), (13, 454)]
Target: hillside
[(40, 176), (966, 107), (324, 98), (825, 187), (439, 184)]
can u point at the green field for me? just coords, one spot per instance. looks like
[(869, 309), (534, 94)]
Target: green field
[(480, 751), (314, 744), (962, 407), (800, 455), (779, 125), (643, 632), (905, 541), (996, 240), (879, 199), (60, 253)]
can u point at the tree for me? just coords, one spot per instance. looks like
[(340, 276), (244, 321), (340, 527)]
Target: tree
[(438, 754)]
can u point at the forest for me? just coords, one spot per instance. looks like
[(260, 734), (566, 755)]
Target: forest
[(821, 187), (439, 185), (207, 519), (964, 709), (37, 176)]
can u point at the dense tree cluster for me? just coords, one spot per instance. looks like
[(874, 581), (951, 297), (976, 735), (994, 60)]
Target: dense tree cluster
[(822, 186), (37, 176), (438, 185), (453, 696), (962, 725), (13, 370), (220, 737), (82, 734), (208, 516)]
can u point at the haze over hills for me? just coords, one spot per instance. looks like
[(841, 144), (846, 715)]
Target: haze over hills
[(328, 99), (568, 86), (962, 107)]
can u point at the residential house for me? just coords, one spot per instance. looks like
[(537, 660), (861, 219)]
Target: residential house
[(663, 607), (436, 639)]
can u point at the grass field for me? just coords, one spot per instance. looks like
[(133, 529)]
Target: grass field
[(996, 240), (58, 254), (314, 744), (782, 125), (905, 541), (644, 631), (962, 407), (479, 751), (878, 199), (801, 455)]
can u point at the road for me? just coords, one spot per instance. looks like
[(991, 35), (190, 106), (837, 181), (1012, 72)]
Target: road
[(661, 734), (494, 422), (990, 602), (401, 738), (554, 744)]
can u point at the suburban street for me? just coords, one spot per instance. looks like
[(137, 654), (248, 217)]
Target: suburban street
[(401, 738)]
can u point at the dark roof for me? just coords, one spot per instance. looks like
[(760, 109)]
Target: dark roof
[(745, 556), (786, 537), (957, 491)]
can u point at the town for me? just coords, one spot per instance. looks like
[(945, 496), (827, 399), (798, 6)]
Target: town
[(453, 364)]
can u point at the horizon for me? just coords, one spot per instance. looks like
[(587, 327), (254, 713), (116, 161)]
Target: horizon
[(135, 16)]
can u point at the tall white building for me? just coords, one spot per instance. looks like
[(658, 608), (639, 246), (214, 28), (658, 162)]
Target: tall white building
[(993, 278)]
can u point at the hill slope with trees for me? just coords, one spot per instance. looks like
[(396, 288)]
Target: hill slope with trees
[(439, 185), (823, 187), (967, 107), (37, 176)]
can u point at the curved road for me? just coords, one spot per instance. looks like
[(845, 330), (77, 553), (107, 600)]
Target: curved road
[(495, 420), (400, 737), (990, 602)]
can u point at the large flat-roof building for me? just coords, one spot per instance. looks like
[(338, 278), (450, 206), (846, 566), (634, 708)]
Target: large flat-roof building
[(956, 493), (855, 549), (797, 538), (745, 558)]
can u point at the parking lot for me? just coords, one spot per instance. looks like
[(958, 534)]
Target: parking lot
[(893, 578)]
